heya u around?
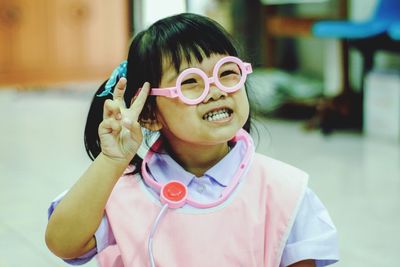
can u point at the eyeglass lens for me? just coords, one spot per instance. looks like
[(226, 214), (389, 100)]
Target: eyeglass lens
[(193, 85)]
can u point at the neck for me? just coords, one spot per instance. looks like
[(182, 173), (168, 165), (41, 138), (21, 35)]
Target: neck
[(197, 159)]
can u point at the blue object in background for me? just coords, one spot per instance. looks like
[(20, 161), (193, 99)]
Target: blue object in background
[(394, 30), (368, 36), (386, 12)]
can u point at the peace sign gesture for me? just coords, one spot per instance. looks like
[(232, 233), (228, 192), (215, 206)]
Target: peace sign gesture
[(119, 132)]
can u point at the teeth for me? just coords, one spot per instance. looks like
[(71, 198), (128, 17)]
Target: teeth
[(217, 115)]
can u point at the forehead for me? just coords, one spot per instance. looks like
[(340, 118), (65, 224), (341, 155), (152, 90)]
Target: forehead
[(206, 64)]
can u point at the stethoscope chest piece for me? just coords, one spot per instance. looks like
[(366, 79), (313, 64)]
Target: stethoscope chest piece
[(174, 194)]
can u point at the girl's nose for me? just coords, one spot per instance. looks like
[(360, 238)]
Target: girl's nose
[(214, 94)]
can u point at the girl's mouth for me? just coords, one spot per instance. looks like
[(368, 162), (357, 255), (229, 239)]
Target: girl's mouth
[(218, 115)]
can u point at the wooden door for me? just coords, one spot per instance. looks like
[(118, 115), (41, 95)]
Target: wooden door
[(23, 38), (88, 36), (51, 41)]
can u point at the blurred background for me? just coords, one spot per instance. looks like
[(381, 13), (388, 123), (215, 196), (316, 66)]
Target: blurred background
[(325, 94)]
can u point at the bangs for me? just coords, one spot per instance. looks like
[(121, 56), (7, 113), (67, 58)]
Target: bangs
[(180, 50), (174, 40), (187, 39)]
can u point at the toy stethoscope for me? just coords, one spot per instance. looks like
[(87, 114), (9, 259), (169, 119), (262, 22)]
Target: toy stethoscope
[(174, 194)]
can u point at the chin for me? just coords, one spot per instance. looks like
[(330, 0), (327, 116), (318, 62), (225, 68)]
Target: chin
[(223, 134)]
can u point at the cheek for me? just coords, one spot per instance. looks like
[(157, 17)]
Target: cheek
[(170, 111), (242, 102)]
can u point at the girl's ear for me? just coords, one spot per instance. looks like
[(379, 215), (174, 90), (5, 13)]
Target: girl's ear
[(151, 124)]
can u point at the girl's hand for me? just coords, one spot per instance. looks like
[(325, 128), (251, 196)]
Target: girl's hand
[(119, 132)]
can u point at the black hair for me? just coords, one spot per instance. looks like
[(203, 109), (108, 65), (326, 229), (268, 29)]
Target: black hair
[(176, 38)]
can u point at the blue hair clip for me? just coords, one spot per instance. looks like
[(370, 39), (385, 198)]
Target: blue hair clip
[(117, 73)]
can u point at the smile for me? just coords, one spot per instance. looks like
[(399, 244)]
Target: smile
[(218, 115)]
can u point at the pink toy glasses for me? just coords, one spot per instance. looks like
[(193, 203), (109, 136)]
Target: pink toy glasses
[(193, 84)]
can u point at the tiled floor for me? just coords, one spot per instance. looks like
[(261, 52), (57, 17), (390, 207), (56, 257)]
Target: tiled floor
[(41, 154)]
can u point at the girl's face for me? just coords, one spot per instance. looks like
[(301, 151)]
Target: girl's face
[(194, 124)]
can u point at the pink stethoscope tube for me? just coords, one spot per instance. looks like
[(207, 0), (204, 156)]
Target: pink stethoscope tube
[(241, 135), (176, 196)]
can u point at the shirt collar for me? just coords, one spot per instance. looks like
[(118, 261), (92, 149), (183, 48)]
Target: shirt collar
[(163, 168)]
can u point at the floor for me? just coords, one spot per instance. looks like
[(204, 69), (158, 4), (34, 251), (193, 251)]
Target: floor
[(41, 154)]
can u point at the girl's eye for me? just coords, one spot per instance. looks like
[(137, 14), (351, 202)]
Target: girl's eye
[(228, 72), (189, 81)]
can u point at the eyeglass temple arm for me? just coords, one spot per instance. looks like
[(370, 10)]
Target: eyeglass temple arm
[(168, 92)]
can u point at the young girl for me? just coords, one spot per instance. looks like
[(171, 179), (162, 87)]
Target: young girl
[(200, 196)]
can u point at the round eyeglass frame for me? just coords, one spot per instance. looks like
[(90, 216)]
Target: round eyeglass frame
[(176, 91)]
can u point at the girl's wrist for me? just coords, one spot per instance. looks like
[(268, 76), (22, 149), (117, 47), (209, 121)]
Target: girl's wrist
[(113, 161)]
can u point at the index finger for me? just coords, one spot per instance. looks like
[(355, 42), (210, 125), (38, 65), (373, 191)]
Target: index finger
[(138, 103)]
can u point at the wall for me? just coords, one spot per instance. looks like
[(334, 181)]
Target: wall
[(147, 12)]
